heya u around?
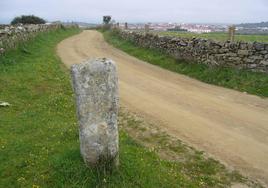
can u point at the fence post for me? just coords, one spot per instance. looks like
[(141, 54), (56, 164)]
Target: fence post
[(95, 84)]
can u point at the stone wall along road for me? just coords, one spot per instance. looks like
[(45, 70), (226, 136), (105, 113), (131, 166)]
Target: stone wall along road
[(241, 55)]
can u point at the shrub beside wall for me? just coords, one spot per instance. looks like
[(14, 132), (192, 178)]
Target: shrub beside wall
[(253, 56)]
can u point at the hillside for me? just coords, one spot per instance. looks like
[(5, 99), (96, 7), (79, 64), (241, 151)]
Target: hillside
[(253, 25)]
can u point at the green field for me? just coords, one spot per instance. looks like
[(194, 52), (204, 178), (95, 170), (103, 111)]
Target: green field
[(215, 36), (39, 144)]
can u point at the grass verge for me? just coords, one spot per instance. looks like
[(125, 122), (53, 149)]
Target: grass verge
[(39, 144), (241, 80)]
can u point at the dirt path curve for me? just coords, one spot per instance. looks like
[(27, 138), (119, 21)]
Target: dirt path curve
[(227, 124)]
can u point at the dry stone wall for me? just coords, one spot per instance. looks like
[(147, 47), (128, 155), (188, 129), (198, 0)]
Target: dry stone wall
[(10, 35), (242, 55)]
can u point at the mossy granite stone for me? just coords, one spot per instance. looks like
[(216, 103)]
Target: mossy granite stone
[(95, 83)]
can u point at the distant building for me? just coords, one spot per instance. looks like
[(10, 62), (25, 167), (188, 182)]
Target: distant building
[(199, 30)]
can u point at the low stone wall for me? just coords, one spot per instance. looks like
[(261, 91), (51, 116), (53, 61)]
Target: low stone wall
[(11, 36), (253, 56)]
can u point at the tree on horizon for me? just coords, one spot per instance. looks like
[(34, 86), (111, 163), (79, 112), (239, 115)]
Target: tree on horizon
[(106, 19), (27, 19)]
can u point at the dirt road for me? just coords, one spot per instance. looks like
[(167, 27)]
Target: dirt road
[(227, 124)]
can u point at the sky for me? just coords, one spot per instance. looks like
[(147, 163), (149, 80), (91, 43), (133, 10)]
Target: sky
[(180, 11)]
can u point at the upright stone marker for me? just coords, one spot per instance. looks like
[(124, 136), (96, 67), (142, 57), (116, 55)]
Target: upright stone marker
[(126, 25), (95, 83), (231, 31), (147, 28)]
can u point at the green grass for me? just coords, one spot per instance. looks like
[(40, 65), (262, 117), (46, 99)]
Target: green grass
[(39, 144), (216, 36), (241, 80)]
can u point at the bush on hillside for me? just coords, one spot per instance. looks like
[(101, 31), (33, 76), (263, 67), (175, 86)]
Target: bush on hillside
[(27, 19)]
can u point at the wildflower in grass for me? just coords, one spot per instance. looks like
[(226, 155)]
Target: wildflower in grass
[(21, 179)]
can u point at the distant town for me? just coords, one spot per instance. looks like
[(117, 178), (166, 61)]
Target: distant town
[(199, 28), (246, 28)]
